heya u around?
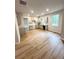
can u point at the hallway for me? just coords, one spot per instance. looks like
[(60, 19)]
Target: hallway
[(39, 44)]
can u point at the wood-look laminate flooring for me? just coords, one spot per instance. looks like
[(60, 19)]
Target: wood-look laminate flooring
[(39, 44)]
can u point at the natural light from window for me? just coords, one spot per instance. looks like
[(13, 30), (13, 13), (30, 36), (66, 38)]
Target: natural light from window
[(55, 20)]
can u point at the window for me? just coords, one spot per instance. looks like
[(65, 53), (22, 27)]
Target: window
[(25, 21), (55, 20)]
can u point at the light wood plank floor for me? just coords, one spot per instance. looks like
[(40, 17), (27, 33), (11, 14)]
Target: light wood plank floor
[(39, 44)]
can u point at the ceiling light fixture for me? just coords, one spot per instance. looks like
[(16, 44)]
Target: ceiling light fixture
[(47, 9), (32, 11)]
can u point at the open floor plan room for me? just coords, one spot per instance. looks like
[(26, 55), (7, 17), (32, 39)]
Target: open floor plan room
[(39, 29)]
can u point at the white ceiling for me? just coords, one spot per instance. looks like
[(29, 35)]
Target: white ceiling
[(39, 6)]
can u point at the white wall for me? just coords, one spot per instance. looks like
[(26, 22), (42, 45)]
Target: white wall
[(17, 34), (58, 29)]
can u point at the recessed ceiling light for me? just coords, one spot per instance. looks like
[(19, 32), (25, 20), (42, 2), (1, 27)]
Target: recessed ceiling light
[(32, 11), (47, 9)]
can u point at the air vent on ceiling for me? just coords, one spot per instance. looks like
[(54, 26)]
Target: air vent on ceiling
[(23, 2)]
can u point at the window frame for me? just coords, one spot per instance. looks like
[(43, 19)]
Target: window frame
[(56, 24)]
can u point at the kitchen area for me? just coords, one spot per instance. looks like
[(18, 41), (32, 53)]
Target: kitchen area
[(31, 23)]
